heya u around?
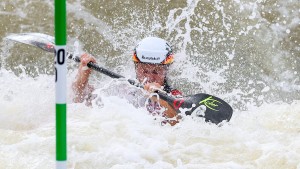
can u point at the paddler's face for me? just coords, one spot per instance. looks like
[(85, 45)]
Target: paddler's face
[(152, 72)]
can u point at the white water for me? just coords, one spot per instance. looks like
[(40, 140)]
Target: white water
[(120, 136)]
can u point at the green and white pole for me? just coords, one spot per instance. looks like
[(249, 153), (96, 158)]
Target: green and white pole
[(60, 83)]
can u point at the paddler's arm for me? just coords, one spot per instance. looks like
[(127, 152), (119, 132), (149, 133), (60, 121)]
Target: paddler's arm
[(81, 86), (170, 112)]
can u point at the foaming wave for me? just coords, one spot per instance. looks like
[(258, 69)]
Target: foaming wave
[(118, 135), (26, 102)]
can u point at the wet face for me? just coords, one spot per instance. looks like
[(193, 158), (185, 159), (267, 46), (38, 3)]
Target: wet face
[(153, 72)]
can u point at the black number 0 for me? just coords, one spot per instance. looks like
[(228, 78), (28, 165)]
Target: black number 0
[(61, 56)]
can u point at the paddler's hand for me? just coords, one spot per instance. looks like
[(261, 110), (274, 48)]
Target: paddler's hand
[(82, 78), (152, 87), (84, 60), (170, 111)]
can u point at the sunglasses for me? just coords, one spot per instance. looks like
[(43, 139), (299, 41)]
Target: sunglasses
[(154, 69)]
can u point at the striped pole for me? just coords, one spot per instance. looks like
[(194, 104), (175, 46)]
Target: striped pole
[(60, 83)]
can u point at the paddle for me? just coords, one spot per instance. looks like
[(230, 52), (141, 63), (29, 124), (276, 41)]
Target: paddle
[(212, 108)]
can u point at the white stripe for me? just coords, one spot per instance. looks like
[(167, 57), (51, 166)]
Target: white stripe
[(61, 164), (61, 76)]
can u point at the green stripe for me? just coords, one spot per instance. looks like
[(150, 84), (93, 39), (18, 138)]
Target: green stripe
[(60, 22), (61, 132)]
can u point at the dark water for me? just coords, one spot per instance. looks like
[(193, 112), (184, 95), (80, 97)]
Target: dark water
[(246, 52)]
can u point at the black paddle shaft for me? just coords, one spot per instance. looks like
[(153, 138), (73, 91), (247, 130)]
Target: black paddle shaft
[(104, 71)]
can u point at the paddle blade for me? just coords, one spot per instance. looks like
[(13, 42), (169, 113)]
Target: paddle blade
[(212, 108), (43, 41)]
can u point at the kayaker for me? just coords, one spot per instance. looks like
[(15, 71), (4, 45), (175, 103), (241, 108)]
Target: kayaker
[(152, 57)]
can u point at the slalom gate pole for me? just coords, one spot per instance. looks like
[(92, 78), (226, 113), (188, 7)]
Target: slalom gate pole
[(60, 82)]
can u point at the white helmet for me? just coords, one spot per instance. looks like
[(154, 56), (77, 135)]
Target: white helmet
[(153, 50)]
